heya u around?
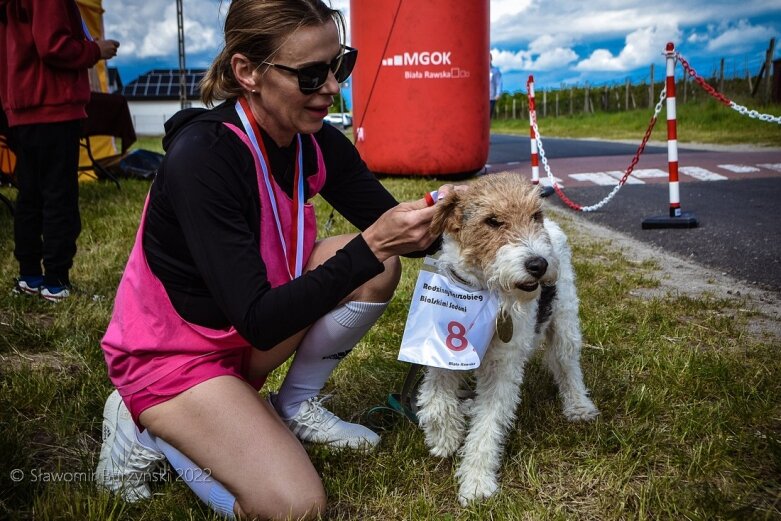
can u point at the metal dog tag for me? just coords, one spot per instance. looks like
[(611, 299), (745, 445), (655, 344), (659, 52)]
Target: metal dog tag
[(504, 326)]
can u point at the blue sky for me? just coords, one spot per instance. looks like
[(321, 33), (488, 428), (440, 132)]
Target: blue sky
[(561, 42)]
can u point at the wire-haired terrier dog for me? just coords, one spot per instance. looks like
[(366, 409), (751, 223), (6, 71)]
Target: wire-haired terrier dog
[(496, 237)]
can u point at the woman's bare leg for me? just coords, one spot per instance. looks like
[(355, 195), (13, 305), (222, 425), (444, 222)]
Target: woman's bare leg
[(225, 427)]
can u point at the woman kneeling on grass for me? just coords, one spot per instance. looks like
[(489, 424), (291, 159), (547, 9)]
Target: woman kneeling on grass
[(226, 280)]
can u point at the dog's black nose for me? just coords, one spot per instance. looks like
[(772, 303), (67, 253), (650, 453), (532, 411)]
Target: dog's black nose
[(536, 266)]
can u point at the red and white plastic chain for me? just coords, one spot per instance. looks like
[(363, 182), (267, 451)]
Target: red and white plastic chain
[(722, 98), (630, 168)]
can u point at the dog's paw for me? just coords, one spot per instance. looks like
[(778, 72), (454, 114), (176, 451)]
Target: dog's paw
[(444, 446), (583, 410), (444, 432), (475, 489)]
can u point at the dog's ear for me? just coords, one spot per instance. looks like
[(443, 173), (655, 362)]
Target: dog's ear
[(447, 215)]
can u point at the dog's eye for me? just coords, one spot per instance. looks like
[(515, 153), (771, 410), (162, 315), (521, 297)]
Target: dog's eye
[(493, 222), (537, 217)]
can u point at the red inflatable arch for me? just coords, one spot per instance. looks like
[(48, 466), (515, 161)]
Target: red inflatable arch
[(420, 87)]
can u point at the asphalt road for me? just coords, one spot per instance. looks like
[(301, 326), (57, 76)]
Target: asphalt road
[(504, 149), (739, 217), (738, 232)]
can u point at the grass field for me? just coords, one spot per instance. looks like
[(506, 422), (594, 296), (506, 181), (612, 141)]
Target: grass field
[(690, 396), (705, 122)]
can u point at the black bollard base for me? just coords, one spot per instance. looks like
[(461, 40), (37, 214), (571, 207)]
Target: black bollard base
[(685, 220), (546, 191)]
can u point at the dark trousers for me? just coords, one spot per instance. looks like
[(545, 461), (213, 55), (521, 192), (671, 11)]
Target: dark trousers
[(491, 108), (47, 220)]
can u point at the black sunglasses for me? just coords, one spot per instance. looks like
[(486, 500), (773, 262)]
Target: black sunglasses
[(312, 77)]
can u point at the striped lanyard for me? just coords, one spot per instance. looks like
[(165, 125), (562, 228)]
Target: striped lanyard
[(295, 259)]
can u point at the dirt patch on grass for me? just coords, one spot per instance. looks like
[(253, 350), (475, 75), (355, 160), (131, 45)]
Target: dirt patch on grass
[(679, 276), (11, 362)]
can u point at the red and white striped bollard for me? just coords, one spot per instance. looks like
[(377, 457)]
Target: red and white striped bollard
[(532, 117), (672, 134), (677, 218)]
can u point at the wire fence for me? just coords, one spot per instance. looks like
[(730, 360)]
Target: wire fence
[(728, 76)]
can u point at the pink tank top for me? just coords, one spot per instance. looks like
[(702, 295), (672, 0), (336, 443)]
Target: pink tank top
[(146, 338)]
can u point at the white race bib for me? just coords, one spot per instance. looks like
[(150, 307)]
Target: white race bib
[(449, 325)]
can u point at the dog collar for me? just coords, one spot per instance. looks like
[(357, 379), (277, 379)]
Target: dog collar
[(458, 279)]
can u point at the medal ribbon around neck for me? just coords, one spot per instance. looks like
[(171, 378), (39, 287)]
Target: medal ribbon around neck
[(295, 261)]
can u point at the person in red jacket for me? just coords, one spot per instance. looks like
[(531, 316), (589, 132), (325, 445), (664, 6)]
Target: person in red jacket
[(44, 56)]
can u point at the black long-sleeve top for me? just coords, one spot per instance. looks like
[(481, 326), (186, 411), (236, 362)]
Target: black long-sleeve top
[(202, 231)]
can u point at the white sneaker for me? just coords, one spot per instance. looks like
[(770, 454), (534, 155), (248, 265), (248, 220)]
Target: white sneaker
[(125, 465), (315, 424), (30, 285), (55, 294)]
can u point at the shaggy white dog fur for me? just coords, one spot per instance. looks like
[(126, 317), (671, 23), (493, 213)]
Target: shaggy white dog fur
[(496, 237)]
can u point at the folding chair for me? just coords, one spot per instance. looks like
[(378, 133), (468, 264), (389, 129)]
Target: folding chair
[(107, 115), (7, 162)]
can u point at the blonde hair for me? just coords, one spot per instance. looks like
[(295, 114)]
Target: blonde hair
[(256, 29)]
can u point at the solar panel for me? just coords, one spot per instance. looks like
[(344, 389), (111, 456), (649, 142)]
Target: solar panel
[(163, 84)]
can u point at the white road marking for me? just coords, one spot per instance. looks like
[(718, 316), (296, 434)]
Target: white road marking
[(645, 173), (771, 166), (544, 181), (702, 174), (599, 178), (618, 174), (740, 169)]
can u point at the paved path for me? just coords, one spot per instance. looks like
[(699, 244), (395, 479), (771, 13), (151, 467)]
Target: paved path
[(587, 163), (735, 196)]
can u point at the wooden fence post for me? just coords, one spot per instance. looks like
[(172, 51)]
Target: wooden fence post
[(768, 70), (721, 76), (651, 89), (626, 95), (545, 103), (586, 100), (557, 104), (514, 100)]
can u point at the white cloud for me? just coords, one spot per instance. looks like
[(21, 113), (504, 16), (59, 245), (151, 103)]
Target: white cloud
[(740, 38), (642, 47), (545, 53), (149, 29), (697, 37), (162, 38), (501, 9), (554, 59)]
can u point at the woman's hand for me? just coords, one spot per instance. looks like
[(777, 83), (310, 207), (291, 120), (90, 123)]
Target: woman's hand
[(402, 229), (405, 228), (446, 189)]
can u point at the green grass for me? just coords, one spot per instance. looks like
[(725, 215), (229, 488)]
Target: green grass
[(690, 400), (702, 122)]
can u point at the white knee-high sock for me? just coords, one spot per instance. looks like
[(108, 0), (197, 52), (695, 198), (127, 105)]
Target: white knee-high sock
[(146, 439), (328, 341), (200, 481)]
